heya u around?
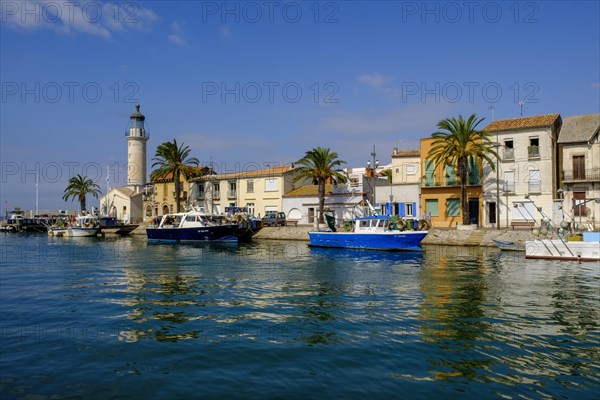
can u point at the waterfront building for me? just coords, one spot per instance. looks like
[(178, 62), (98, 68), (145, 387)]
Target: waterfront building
[(346, 201), (258, 191), (579, 155), (401, 195), (527, 170), (440, 191), (126, 202), (159, 198)]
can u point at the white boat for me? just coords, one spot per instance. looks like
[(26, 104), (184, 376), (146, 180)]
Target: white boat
[(84, 226), (560, 249)]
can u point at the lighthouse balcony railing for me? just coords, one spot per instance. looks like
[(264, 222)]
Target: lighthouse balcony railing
[(146, 134)]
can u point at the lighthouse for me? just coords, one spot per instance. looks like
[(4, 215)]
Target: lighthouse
[(136, 151)]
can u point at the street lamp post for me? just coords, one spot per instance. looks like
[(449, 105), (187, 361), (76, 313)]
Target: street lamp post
[(497, 146), (375, 165)]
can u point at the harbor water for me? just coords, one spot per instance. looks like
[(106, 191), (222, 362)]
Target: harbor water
[(120, 318)]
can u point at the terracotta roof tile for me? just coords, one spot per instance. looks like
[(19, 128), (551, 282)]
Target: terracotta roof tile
[(523, 122), (275, 171), (312, 191)]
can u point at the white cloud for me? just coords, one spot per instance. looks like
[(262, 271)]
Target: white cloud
[(87, 17), (177, 35), (373, 80), (420, 118)]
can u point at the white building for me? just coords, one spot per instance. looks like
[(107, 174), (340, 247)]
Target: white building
[(527, 165), (579, 155), (126, 203), (401, 196)]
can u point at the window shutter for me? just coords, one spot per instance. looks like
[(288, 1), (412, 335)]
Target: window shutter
[(401, 209)]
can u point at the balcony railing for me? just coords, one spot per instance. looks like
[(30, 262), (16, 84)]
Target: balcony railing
[(232, 194), (581, 175), (509, 188), (533, 151), (201, 196), (443, 180), (509, 154)]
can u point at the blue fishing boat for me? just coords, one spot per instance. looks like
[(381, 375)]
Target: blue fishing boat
[(370, 233)]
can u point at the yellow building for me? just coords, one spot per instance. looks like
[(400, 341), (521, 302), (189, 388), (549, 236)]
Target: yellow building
[(440, 191), (160, 199), (258, 190)]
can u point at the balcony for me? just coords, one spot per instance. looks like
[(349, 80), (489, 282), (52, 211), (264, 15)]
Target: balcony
[(232, 194), (533, 152), (447, 181), (581, 175), (509, 154)]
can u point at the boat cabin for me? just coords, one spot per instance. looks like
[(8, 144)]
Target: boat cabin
[(372, 224)]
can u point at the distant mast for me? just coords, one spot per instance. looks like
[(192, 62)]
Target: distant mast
[(136, 151)]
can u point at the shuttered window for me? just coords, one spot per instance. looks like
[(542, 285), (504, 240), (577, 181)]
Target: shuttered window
[(432, 208), (453, 207)]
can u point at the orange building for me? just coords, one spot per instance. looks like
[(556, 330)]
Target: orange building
[(440, 191)]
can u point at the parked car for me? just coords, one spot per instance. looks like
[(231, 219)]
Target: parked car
[(274, 218)]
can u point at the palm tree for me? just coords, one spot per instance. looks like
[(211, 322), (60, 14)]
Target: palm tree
[(79, 186), (173, 160), (321, 165), (458, 143)]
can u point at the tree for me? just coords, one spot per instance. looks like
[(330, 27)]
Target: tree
[(457, 144), (321, 165), (173, 160), (79, 186)]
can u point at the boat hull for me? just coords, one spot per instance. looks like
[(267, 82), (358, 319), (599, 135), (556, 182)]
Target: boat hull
[(220, 233), (388, 241), (557, 250), (74, 232), (119, 229)]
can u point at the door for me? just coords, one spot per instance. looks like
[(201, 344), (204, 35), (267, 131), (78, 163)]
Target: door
[(491, 212), (578, 167), (579, 208), (474, 212)]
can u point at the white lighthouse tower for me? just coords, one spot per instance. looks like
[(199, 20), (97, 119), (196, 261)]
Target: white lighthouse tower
[(136, 151)]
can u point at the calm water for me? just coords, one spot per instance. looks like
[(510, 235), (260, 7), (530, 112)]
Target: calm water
[(118, 318)]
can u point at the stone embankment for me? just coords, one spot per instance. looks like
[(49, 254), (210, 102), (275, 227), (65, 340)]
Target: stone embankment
[(447, 237)]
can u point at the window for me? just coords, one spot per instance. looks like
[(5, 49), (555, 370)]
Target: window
[(271, 185), (409, 209), (250, 207), (450, 175), (473, 171), (429, 170), (534, 147), (250, 186), (453, 207), (509, 181), (535, 185), (579, 167), (431, 207), (491, 212), (509, 151), (216, 190)]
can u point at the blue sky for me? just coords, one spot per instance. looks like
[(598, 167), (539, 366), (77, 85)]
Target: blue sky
[(249, 84)]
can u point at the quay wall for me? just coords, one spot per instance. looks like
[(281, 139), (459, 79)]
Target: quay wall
[(436, 236)]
